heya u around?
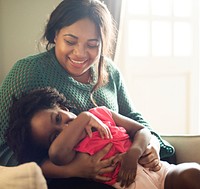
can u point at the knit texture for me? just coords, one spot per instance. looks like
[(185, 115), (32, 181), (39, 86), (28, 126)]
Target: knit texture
[(43, 70)]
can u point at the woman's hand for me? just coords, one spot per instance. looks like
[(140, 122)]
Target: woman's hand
[(87, 166), (150, 158), (83, 165)]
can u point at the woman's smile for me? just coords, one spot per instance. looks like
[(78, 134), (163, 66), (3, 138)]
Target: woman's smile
[(78, 63)]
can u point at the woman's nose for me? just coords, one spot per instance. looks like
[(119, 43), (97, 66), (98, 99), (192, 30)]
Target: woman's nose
[(79, 50)]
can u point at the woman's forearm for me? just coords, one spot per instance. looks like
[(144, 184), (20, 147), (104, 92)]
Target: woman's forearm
[(155, 143), (51, 170), (141, 140), (83, 165)]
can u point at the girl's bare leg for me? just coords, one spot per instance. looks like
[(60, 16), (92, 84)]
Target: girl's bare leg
[(183, 176)]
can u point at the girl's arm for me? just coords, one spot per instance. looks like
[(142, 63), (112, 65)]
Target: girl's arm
[(129, 125), (62, 150), (140, 139), (144, 140), (140, 135)]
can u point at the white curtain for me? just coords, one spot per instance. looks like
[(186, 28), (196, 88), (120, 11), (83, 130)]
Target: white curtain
[(122, 16), (115, 7)]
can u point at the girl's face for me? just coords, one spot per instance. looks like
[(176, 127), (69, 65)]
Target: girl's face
[(47, 124), (77, 48)]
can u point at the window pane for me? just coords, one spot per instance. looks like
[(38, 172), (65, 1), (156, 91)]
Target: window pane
[(162, 7), (182, 8), (182, 39), (138, 6), (161, 38), (138, 38)]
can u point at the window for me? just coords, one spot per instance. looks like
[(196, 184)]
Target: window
[(158, 54)]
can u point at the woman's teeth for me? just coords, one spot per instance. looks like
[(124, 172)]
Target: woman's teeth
[(78, 62)]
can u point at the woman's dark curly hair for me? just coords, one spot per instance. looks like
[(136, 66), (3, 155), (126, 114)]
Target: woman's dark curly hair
[(18, 134)]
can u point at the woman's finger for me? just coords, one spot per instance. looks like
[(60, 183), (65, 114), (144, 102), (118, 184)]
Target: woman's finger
[(102, 178), (99, 155), (151, 165), (147, 159), (156, 167), (106, 170)]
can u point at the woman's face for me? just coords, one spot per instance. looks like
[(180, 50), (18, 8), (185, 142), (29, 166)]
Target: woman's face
[(47, 124), (77, 47)]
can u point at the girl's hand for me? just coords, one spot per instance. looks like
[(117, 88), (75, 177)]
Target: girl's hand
[(96, 123), (128, 169)]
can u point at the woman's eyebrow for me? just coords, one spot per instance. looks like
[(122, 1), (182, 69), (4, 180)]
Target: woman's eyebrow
[(75, 37), (71, 35), (94, 40)]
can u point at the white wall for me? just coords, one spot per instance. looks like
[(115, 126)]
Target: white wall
[(21, 26)]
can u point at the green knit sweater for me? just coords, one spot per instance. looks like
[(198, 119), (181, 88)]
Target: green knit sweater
[(44, 70)]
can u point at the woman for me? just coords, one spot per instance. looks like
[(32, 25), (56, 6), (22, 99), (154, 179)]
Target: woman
[(79, 35)]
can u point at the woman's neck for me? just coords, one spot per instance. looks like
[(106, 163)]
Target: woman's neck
[(84, 78)]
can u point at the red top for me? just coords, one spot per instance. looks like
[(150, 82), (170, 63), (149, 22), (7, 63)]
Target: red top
[(120, 140)]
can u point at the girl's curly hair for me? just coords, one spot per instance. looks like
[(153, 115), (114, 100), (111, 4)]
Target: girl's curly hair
[(18, 134)]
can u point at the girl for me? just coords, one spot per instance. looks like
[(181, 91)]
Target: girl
[(41, 119)]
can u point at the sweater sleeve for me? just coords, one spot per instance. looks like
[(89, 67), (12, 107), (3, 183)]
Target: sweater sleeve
[(126, 108), (19, 79)]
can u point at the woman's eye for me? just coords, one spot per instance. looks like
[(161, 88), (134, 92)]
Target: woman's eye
[(58, 119), (70, 42), (93, 44)]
